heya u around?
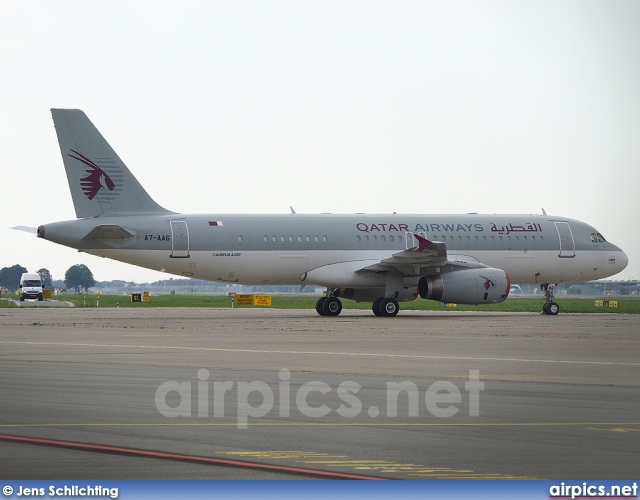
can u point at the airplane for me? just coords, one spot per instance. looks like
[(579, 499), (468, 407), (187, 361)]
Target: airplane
[(383, 259)]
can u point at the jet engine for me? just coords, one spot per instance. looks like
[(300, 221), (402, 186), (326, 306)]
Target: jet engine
[(469, 286)]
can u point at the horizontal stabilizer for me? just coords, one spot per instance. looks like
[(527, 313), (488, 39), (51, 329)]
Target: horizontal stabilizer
[(26, 229)]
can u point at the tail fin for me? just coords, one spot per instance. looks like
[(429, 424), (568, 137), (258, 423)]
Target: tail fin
[(100, 183)]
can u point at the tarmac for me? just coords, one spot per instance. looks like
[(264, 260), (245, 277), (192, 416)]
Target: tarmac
[(40, 303), (273, 394)]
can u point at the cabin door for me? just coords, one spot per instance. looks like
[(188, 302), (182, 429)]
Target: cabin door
[(567, 245), (179, 239)]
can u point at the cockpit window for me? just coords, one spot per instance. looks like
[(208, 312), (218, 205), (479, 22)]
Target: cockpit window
[(597, 238)]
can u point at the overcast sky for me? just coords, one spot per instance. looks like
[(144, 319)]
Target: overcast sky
[(328, 106)]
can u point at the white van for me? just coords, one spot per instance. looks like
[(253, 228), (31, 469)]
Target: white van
[(30, 286)]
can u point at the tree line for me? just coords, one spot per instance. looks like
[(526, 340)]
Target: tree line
[(76, 278)]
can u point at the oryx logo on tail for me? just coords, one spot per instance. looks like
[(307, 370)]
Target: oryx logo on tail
[(97, 178)]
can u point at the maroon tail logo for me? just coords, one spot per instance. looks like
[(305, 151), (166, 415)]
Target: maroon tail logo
[(487, 282), (97, 178)]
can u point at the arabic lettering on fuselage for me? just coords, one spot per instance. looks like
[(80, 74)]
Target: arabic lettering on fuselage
[(514, 228), (417, 228)]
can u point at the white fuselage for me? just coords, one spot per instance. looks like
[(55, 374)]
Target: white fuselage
[(328, 250)]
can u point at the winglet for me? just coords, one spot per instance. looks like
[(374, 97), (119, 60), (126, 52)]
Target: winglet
[(423, 243)]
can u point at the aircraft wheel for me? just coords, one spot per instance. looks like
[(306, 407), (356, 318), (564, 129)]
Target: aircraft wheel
[(389, 307), (319, 305), (332, 306), (553, 309), (375, 307)]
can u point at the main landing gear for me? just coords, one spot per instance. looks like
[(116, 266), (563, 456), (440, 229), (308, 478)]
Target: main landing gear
[(329, 306), (550, 308), (332, 306), (385, 307)]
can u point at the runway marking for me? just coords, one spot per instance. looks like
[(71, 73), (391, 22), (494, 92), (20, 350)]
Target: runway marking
[(282, 454), (320, 459), (380, 466), (336, 424), (473, 476), (616, 429), (185, 458), (154, 335), (325, 353)]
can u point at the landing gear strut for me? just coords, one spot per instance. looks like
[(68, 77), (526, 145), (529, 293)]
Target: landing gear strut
[(550, 308)]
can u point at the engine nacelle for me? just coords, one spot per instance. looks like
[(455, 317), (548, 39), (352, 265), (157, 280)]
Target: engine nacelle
[(469, 286)]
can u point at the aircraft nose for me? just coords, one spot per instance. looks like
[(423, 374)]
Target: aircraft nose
[(619, 260)]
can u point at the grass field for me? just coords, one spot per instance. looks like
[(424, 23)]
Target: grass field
[(516, 304)]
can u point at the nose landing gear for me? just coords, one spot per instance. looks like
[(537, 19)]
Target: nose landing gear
[(550, 308)]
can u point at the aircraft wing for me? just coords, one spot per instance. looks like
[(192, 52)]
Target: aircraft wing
[(421, 260)]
